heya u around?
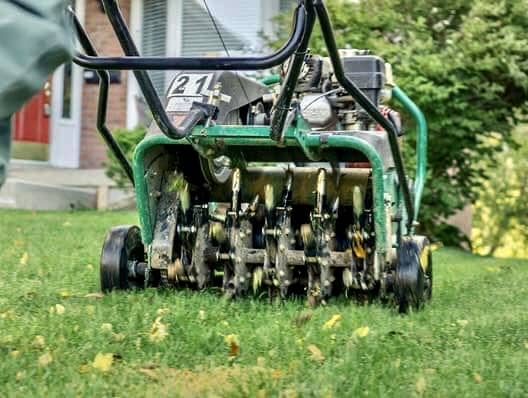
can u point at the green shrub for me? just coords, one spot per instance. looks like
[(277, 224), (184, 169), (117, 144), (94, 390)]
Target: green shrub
[(127, 140)]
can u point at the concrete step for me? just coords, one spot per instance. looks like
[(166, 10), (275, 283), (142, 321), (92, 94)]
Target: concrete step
[(21, 194)]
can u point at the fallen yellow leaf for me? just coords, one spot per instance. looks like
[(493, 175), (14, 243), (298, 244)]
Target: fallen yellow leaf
[(478, 378), (276, 374), (39, 341), (361, 332), (103, 362), (59, 309), (317, 355), (85, 368), (201, 315), (420, 385), (462, 322), (24, 259), (14, 354), (65, 293), (45, 359), (9, 314), (526, 344), (332, 322), (233, 344), (158, 331), (19, 375), (107, 327), (94, 295), (162, 311)]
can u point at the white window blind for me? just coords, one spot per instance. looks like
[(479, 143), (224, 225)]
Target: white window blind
[(154, 40), (199, 37)]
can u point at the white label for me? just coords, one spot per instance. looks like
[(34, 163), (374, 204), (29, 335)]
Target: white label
[(182, 104), (190, 84)]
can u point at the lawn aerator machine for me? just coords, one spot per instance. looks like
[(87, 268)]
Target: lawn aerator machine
[(292, 184)]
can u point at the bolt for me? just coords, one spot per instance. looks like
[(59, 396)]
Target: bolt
[(326, 283), (281, 273), (242, 279)]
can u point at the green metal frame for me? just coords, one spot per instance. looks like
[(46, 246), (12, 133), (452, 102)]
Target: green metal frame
[(243, 136), (301, 137), (421, 145)]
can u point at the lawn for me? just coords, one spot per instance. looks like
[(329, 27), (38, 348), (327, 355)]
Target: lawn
[(59, 338)]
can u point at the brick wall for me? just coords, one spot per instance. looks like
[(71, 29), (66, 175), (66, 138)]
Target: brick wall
[(93, 149)]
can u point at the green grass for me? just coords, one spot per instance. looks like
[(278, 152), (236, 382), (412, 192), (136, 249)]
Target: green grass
[(472, 340)]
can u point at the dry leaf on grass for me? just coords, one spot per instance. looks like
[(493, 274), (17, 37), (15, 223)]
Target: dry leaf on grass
[(420, 385), (478, 378), (65, 294), (45, 359), (317, 355), (332, 322), (103, 362), (232, 344), (85, 368), (59, 309), (107, 327), (14, 354), (24, 259), (94, 296), (162, 311), (361, 332), (39, 341), (158, 331)]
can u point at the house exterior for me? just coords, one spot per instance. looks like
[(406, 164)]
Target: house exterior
[(57, 126)]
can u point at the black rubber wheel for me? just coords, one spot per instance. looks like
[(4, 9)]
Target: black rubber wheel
[(122, 244), (409, 281)]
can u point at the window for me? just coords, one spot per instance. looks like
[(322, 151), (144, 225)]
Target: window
[(67, 81), (154, 40)]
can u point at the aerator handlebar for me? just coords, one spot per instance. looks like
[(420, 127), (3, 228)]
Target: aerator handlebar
[(306, 13)]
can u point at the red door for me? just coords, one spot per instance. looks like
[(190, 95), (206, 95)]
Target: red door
[(31, 126)]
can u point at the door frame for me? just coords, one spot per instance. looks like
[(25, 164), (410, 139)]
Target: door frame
[(67, 153)]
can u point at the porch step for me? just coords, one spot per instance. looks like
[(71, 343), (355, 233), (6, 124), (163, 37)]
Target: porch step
[(21, 194), (38, 186)]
